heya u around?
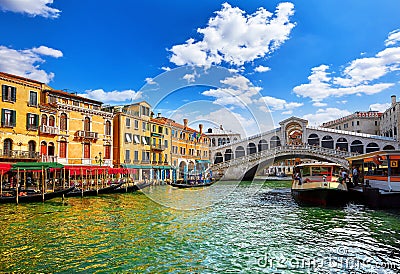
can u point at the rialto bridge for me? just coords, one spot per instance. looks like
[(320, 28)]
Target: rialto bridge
[(293, 139)]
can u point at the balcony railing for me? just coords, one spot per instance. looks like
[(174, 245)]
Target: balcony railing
[(49, 159), (87, 134), (127, 161), (145, 161), (157, 147), (19, 154), (49, 130)]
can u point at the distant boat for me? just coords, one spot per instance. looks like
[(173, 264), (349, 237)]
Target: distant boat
[(192, 184), (319, 184), (125, 188), (32, 196), (77, 192)]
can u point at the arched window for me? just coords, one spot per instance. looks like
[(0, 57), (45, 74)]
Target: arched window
[(342, 144), (43, 148), (44, 120), (219, 141), (239, 152), (313, 140), (63, 121), (50, 149), (86, 126), (31, 148), (107, 151), (7, 147), (108, 128), (52, 121), (213, 142), (388, 147)]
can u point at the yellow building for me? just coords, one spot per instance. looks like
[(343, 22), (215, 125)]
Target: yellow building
[(19, 139), (74, 130)]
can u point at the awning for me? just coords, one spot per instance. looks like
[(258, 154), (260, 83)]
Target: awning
[(162, 167), (35, 166), (5, 167), (83, 170), (203, 161)]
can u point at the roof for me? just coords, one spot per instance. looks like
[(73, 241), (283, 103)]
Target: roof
[(20, 78), (319, 164), (375, 153), (71, 95), (172, 123)]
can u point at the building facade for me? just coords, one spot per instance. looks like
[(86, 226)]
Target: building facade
[(20, 115), (220, 136), (74, 130), (361, 122), (389, 121)]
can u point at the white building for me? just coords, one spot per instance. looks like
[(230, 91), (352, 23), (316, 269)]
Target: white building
[(389, 121), (361, 121), (220, 136)]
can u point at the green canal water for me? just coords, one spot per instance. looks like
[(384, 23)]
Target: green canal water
[(250, 228)]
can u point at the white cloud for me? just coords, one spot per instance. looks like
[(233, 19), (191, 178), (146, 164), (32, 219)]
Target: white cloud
[(30, 7), (325, 115), (237, 91), (43, 50), (190, 78), (150, 81), (112, 96), (262, 69), (26, 63), (234, 37), (379, 107), (279, 104), (393, 39), (319, 104), (166, 68), (358, 77)]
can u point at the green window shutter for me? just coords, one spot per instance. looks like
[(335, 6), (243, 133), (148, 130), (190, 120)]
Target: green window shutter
[(27, 121), (3, 92), (14, 94), (13, 118), (36, 120), (2, 116)]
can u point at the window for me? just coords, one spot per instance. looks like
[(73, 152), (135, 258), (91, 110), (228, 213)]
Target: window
[(127, 155), (376, 123), (128, 122), (86, 125), (128, 137), (107, 152), (7, 147), (8, 118), (144, 126), (86, 150), (32, 121), (63, 149), (63, 121), (352, 123), (165, 143), (166, 158), (52, 121), (44, 120), (108, 128), (31, 149), (136, 139), (9, 94), (136, 124), (166, 131), (33, 98), (75, 103), (358, 123), (52, 99), (136, 156), (145, 156)]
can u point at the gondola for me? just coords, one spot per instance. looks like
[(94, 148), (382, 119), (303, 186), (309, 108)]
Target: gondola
[(32, 197), (77, 192), (190, 184), (125, 188)]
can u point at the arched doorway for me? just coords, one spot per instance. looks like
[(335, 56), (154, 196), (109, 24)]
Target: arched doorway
[(262, 145), (294, 133), (251, 148), (342, 144), (313, 139), (388, 147), (218, 158), (228, 154), (357, 146), (327, 142), (239, 152), (371, 147), (275, 142)]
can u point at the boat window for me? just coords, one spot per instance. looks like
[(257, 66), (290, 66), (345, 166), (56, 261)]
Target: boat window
[(336, 171), (305, 171), (321, 170)]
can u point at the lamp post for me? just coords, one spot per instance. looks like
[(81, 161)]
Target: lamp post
[(99, 160)]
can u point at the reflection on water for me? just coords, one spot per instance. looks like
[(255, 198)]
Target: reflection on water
[(245, 232)]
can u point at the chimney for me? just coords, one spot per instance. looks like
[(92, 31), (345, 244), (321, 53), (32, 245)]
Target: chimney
[(185, 122), (201, 128), (159, 115), (393, 100), (220, 127)]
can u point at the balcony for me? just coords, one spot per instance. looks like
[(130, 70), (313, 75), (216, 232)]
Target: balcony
[(49, 130), (19, 154), (127, 161), (87, 134), (157, 147), (146, 162)]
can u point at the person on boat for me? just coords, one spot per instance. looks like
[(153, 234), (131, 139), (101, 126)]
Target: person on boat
[(355, 175), (297, 175)]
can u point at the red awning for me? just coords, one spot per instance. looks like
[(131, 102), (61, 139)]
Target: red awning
[(5, 167), (87, 170)]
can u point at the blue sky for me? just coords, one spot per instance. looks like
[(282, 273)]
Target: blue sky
[(245, 64)]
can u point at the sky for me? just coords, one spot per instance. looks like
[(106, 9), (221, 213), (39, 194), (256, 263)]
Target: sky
[(244, 64)]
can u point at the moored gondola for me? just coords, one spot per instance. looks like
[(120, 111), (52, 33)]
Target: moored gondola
[(31, 197), (77, 192)]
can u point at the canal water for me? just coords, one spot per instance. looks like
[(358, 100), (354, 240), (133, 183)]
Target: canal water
[(250, 228)]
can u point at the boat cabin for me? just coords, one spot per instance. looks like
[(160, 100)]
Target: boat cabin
[(318, 172), (378, 169)]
